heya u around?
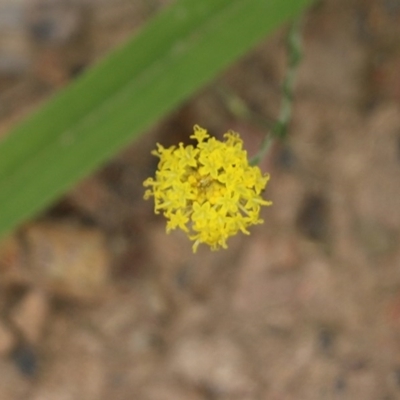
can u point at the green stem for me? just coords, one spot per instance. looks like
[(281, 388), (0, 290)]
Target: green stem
[(280, 128)]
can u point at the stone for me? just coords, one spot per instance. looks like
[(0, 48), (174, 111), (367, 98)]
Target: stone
[(29, 316), (7, 339), (214, 362), (69, 260)]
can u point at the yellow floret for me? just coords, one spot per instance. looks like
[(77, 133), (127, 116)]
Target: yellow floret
[(209, 191)]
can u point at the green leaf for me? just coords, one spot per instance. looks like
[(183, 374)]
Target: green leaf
[(176, 53)]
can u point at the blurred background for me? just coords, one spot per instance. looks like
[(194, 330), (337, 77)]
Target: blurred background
[(97, 302)]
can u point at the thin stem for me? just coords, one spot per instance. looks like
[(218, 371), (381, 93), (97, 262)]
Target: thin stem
[(280, 128)]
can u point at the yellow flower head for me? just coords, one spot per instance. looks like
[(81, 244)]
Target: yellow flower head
[(209, 191)]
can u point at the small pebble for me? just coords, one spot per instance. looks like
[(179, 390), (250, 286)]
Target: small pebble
[(30, 315), (313, 218), (70, 261), (26, 361), (7, 339), (55, 23), (326, 340)]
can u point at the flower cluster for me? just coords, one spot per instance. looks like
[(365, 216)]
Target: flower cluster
[(209, 191)]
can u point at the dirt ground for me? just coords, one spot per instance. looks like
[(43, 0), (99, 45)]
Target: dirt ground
[(97, 302)]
